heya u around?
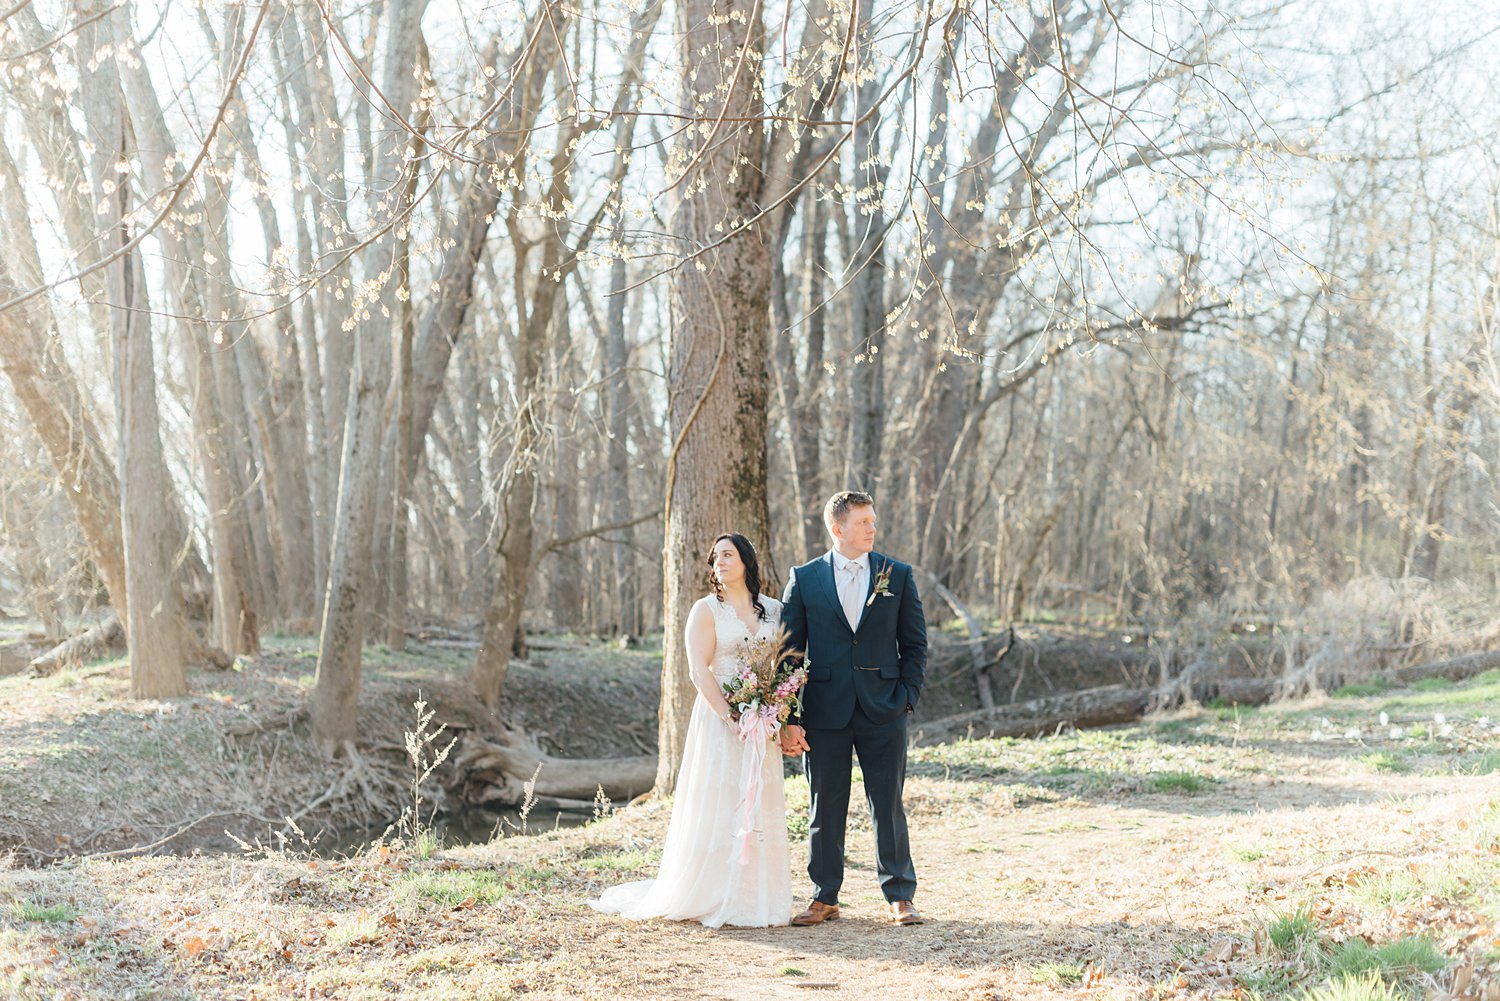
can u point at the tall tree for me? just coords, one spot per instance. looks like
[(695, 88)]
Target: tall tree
[(335, 698), (718, 381), (154, 621)]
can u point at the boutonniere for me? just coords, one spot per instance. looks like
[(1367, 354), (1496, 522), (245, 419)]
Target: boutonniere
[(882, 586)]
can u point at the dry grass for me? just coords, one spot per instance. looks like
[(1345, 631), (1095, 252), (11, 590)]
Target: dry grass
[(1054, 868), (85, 769)]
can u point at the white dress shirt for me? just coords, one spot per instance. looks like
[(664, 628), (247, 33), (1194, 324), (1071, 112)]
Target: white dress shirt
[(853, 582)]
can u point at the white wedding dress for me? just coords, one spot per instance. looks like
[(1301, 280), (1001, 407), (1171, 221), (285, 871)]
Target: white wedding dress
[(706, 873)]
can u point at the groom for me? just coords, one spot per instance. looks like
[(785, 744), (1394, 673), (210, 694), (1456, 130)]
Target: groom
[(857, 615)]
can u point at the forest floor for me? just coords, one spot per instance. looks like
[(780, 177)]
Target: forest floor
[(85, 769), (1213, 853)]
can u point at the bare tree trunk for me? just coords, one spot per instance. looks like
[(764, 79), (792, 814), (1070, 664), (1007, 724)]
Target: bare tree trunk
[(502, 622), (796, 394), (513, 553), (275, 399), (1450, 454), (474, 508), (230, 573), (868, 286), (624, 593), (565, 582), (155, 623), (716, 478), (326, 360), (401, 495), (48, 390), (200, 286), (341, 635), (273, 389), (479, 204), (341, 639), (46, 101)]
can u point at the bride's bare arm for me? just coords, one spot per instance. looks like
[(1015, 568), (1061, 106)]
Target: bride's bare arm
[(700, 651)]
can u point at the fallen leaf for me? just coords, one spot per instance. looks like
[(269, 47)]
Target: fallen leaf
[(194, 945)]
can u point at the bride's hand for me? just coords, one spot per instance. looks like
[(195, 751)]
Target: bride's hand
[(793, 740)]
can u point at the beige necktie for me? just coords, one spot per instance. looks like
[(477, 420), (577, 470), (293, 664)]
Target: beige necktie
[(853, 595)]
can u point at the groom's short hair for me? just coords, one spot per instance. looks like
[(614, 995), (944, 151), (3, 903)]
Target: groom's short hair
[(839, 504)]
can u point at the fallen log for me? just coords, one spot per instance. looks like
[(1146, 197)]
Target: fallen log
[(1451, 668), (108, 637), (1090, 707), (1116, 704), (91, 644), (489, 771)]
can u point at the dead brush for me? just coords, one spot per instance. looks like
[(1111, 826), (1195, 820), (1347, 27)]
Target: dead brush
[(1371, 625), (425, 758)]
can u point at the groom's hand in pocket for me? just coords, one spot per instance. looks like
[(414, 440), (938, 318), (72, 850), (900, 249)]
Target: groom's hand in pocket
[(793, 740)]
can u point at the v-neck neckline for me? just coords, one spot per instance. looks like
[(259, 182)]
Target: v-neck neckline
[(752, 633)]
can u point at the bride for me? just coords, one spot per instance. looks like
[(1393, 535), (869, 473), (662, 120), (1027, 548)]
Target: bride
[(713, 870)]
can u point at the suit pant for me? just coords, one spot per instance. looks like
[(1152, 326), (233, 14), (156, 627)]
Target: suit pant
[(881, 748)]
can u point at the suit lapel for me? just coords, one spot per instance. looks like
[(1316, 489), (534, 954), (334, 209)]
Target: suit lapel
[(876, 563), (825, 575)]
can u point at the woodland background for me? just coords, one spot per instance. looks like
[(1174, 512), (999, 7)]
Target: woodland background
[(349, 318)]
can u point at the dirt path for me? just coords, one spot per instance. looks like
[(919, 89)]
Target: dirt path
[(1210, 855), (1133, 894)]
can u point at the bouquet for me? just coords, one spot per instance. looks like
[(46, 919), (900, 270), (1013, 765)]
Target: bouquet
[(763, 693)]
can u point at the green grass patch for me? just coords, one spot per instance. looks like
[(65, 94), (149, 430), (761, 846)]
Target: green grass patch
[(1272, 982), (1189, 783), (459, 886), (66, 678), (1483, 763), (1014, 889), (31, 910), (792, 971), (1400, 886), (1288, 929), (426, 844), (1363, 689), (616, 862), (1433, 685), (1403, 957), (1481, 696), (966, 759), (1368, 987), (1057, 973), (1250, 853), (1385, 761)]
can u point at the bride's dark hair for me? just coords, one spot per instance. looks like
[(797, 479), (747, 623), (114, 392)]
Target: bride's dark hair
[(752, 570)]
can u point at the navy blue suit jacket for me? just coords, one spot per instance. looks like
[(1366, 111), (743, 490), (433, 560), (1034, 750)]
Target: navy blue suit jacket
[(881, 665)]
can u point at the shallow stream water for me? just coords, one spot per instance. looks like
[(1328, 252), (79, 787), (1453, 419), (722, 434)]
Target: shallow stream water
[(474, 826)]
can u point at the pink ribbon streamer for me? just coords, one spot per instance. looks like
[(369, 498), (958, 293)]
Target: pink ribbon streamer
[(758, 727)]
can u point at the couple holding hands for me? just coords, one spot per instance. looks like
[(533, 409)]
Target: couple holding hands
[(857, 616)]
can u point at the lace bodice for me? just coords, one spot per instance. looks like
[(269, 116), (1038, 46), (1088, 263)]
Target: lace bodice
[(730, 633)]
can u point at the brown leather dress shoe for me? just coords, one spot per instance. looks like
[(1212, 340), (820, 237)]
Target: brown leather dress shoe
[(817, 912), (904, 912)]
